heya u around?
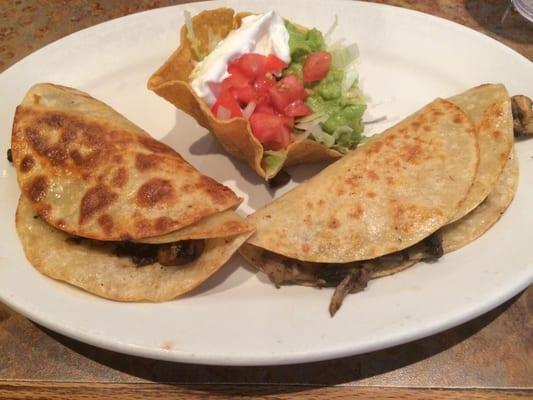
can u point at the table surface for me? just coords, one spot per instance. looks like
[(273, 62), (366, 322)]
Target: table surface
[(490, 357)]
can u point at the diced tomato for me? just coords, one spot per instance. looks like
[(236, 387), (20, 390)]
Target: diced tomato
[(288, 121), (276, 103), (235, 80), (270, 130), (264, 108), (244, 95), (280, 142), (264, 99), (297, 109), (263, 83), (292, 86), (286, 91), (226, 100), (280, 99), (316, 66), (250, 64), (274, 64)]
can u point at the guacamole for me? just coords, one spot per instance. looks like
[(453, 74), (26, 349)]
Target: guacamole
[(343, 107)]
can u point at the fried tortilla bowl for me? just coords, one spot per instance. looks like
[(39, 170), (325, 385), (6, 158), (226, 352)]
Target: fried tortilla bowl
[(171, 81), (109, 209)]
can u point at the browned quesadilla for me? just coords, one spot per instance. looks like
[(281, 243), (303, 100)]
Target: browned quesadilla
[(94, 185), (391, 202)]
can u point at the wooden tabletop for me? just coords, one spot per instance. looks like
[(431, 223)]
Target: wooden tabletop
[(490, 357)]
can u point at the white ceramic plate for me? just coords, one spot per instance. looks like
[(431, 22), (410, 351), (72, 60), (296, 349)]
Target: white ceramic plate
[(237, 318)]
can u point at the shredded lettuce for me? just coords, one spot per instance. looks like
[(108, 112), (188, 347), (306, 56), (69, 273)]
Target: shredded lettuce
[(195, 43), (343, 56), (273, 161), (327, 36), (322, 137), (345, 138), (349, 81), (213, 39)]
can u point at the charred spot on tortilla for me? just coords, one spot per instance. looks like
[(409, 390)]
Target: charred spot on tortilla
[(96, 199), (155, 192), (164, 223), (120, 177), (35, 139), (53, 120), (333, 223), (145, 162), (26, 164), (106, 222), (9, 155), (38, 188)]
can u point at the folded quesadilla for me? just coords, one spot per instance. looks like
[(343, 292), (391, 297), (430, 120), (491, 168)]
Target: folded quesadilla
[(489, 108), (109, 209), (393, 201)]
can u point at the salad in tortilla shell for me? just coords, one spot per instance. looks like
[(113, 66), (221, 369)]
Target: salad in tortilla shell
[(273, 93)]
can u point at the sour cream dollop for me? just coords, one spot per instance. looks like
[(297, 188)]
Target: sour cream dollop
[(262, 34)]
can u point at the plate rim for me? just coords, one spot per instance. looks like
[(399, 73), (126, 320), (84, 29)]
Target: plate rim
[(474, 310)]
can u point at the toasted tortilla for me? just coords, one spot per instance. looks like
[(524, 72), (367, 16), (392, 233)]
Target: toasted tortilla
[(223, 224), (467, 229), (479, 220), (171, 81), (90, 172), (454, 236), (489, 108), (94, 267), (380, 198)]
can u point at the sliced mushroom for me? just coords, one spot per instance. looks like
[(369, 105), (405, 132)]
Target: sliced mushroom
[(179, 253), (522, 116), (355, 281), (168, 254), (433, 246)]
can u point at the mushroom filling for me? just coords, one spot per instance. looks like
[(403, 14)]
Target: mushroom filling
[(522, 115), (168, 254), (348, 277)]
